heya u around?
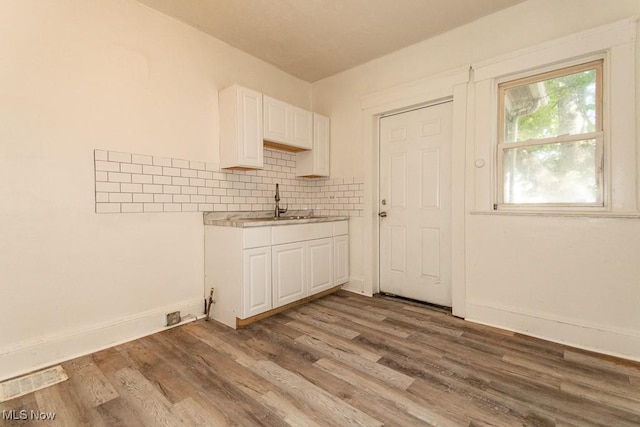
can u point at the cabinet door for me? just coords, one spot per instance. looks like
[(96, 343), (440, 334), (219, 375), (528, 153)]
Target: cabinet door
[(316, 162), (301, 122), (276, 120), (240, 128), (341, 259), (289, 273), (256, 281), (320, 265)]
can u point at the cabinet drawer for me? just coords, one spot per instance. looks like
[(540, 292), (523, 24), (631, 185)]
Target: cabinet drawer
[(256, 237), (300, 232), (340, 228)]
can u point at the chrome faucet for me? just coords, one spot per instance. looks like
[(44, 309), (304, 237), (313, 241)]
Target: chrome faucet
[(278, 211)]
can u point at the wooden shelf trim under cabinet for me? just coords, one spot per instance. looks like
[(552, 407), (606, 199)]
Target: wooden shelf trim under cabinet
[(283, 147), (242, 323)]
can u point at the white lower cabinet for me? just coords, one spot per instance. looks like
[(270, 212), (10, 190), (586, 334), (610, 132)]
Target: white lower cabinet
[(256, 281), (257, 269), (289, 273), (320, 264), (341, 259)]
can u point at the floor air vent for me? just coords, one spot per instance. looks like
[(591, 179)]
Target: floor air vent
[(26, 384)]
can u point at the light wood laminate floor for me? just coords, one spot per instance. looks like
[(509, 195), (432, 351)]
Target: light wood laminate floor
[(342, 360)]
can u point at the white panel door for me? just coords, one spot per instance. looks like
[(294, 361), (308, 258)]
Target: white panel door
[(256, 281), (341, 259), (320, 265), (415, 193), (289, 273), (301, 128), (276, 120)]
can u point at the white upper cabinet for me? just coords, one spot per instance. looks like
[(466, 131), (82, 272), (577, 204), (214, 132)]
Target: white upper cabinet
[(276, 119), (241, 145), (301, 128), (286, 126), (316, 162)]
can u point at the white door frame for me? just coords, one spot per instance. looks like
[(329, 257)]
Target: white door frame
[(446, 86)]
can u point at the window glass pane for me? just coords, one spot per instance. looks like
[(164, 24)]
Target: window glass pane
[(551, 173), (549, 108)]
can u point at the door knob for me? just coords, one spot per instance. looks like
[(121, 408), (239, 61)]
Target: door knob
[(382, 214)]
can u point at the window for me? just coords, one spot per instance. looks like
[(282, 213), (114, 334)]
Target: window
[(550, 138)]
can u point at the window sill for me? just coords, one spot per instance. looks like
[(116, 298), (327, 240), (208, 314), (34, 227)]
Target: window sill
[(561, 214)]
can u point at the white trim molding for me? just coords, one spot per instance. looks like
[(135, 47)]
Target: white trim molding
[(450, 85), (616, 44), (52, 349), (580, 334)]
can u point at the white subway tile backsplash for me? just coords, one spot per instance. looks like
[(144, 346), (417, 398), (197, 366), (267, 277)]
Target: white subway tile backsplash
[(139, 183), (108, 187), (142, 179), (162, 198), (177, 163), (130, 168), (119, 177), (153, 207), (102, 176), (178, 180), (102, 197), (161, 179), (120, 198), (107, 166), (170, 171), (107, 207), (171, 189), (161, 161), (197, 165), (115, 156), (151, 188), (152, 170), (100, 155), (188, 173), (205, 175), (172, 207), (141, 160), (143, 198), (181, 198), (130, 188), (131, 207)]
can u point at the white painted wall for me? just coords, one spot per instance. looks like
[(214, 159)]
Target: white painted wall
[(573, 280), (77, 75)]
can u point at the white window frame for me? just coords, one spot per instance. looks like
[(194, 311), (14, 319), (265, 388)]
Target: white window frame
[(616, 44), (597, 63)]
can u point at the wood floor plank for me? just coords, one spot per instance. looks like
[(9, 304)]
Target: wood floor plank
[(389, 376), (345, 359), (93, 387), (335, 408), (603, 362), (337, 342), (417, 410), (326, 326), (373, 321)]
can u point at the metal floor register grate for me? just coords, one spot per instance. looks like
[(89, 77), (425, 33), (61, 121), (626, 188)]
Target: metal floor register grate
[(26, 384)]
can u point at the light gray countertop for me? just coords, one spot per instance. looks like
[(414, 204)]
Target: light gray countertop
[(265, 218)]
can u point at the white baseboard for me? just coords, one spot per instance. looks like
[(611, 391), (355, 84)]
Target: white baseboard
[(615, 342), (42, 352), (356, 286)]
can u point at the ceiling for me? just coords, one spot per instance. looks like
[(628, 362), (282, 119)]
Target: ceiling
[(314, 39)]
